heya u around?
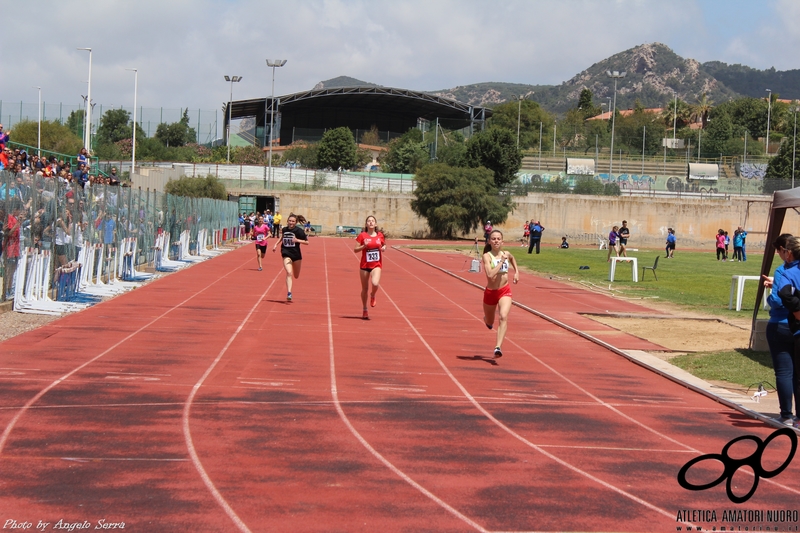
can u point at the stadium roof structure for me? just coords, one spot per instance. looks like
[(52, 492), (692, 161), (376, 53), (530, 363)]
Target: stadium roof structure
[(358, 108)]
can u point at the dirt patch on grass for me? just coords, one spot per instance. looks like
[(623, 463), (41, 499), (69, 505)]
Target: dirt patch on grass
[(682, 334)]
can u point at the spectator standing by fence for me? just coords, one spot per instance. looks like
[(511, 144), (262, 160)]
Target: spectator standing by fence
[(536, 237)]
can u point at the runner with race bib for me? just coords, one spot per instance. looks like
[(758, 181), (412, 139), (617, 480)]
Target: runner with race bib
[(372, 244), (497, 296), (291, 237), (260, 233)]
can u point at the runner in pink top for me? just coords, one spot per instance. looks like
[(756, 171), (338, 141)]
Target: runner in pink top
[(260, 233)]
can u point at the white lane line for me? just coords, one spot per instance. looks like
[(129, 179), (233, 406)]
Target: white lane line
[(13, 422), (519, 437), (357, 435), (581, 334), (187, 432)]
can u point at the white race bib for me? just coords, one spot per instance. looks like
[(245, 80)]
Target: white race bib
[(260, 237), (373, 256), (288, 240)]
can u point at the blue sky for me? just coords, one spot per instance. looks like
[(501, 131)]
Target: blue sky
[(183, 48)]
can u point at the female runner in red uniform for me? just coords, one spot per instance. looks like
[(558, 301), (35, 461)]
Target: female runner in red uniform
[(497, 296), (372, 244), (260, 234), (292, 236)]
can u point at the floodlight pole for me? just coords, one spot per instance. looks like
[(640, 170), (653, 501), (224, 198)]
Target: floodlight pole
[(133, 136), (675, 116), (87, 134), (232, 79), (615, 75), (769, 112), (794, 143), (519, 98), (273, 64), (39, 134)]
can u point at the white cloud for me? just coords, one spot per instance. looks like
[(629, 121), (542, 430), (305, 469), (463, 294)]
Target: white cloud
[(183, 48)]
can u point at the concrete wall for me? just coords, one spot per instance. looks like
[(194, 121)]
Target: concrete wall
[(580, 217)]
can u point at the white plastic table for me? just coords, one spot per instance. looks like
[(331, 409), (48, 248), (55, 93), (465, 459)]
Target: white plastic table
[(737, 283), (634, 267)]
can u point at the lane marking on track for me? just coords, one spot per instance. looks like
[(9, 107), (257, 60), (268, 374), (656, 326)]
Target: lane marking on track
[(604, 345), (187, 432), (335, 395), (506, 428), (139, 374), (13, 422)]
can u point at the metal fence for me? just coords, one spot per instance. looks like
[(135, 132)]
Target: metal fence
[(61, 235), (204, 122)]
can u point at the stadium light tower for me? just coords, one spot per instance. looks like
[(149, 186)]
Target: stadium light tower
[(794, 141), (769, 112), (39, 134), (133, 137), (273, 64), (519, 98), (615, 75), (232, 79), (87, 132)]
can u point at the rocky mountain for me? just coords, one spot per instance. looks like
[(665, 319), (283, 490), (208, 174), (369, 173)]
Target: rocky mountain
[(653, 72), (343, 81)]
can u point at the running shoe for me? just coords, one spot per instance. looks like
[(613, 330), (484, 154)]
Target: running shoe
[(490, 326), (788, 421), (372, 302), (365, 315), (259, 269), (289, 297), (498, 353)]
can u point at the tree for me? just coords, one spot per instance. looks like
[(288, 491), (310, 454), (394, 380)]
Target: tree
[(406, 154), (780, 166), (701, 109), (457, 200), (76, 122), (337, 149), (56, 137), (302, 154), (531, 115), (495, 149), (176, 134), (208, 187), (717, 134), (114, 126), (586, 104)]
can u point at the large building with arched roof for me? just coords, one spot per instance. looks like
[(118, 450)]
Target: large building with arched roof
[(307, 115)]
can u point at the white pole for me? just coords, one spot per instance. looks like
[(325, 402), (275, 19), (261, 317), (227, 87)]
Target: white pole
[(133, 137), (744, 159), (794, 143), (769, 112), (87, 119), (519, 115), (540, 145), (273, 64), (39, 135), (675, 116), (89, 108), (228, 135), (554, 138), (644, 136)]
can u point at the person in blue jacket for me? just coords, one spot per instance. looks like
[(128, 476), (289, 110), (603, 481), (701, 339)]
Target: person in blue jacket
[(779, 337), (670, 249)]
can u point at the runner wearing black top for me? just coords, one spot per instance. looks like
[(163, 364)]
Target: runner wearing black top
[(291, 238)]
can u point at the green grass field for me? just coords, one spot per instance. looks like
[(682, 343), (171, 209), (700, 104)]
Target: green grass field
[(694, 281)]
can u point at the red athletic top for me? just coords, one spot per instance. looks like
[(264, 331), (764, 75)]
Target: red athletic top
[(371, 255), (260, 234)]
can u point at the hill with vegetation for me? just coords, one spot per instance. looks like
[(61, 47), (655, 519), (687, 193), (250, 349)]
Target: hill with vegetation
[(654, 74), (753, 82)]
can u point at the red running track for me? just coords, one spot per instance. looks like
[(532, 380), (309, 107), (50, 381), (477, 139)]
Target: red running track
[(205, 402)]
